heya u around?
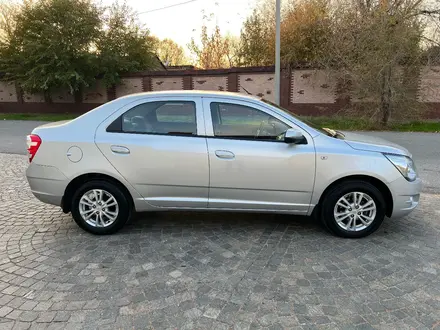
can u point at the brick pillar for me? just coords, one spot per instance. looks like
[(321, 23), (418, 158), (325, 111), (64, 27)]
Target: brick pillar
[(146, 84), (187, 82), (111, 93), (232, 82), (285, 87)]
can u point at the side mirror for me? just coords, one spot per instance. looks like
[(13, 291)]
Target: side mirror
[(294, 136)]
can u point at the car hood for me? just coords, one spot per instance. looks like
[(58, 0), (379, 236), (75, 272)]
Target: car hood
[(372, 143)]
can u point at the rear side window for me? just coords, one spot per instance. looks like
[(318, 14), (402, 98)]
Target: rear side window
[(164, 117)]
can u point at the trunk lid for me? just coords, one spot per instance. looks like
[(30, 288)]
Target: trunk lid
[(53, 124)]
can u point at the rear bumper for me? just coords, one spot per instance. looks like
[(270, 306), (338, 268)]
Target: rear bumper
[(47, 183), (406, 196)]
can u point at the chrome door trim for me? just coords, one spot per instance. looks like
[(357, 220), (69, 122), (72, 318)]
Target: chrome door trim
[(170, 202), (275, 211), (230, 209), (235, 201)]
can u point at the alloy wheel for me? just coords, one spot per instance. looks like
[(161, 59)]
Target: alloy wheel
[(98, 208), (355, 211)]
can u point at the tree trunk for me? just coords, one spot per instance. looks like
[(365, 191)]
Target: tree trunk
[(47, 97), (385, 100), (78, 95)]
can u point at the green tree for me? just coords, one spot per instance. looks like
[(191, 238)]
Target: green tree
[(375, 46), (215, 50), (57, 44), (49, 45), (170, 53), (123, 44), (256, 41), (8, 12), (304, 32)]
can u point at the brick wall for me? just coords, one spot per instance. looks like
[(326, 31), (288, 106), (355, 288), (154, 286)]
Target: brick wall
[(303, 91), (259, 84), (210, 83)]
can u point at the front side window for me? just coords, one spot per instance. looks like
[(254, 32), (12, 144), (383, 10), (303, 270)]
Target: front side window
[(243, 122), (162, 117)]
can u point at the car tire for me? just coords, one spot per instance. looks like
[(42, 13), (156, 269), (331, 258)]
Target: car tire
[(353, 209), (100, 219)]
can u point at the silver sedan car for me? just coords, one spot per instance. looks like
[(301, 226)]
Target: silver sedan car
[(193, 150)]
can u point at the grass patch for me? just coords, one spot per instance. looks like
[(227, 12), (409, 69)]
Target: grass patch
[(417, 126), (337, 122), (37, 116)]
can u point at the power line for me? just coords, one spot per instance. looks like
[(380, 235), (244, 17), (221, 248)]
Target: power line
[(166, 7)]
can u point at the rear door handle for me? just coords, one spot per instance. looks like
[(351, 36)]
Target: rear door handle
[(224, 154), (120, 150)]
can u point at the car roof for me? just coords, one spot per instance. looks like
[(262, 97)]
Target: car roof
[(189, 93)]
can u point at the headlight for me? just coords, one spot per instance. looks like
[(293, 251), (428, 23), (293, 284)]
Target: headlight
[(404, 164)]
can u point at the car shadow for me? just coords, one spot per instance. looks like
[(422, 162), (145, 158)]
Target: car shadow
[(202, 221)]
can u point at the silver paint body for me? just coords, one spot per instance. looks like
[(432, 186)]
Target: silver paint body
[(164, 172)]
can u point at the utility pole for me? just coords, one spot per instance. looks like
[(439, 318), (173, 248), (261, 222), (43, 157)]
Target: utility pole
[(277, 52)]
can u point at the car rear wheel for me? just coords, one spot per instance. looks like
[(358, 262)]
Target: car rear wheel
[(100, 207), (353, 209)]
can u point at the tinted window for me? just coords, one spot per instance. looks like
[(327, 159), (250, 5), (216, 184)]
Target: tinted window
[(238, 121), (161, 118)]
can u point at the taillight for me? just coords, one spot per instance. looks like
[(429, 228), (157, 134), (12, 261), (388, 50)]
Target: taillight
[(33, 143)]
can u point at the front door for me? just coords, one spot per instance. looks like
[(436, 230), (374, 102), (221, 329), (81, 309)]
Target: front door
[(159, 147), (250, 168)]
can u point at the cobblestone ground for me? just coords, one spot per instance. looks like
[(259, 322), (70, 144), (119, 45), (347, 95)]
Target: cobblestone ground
[(211, 271)]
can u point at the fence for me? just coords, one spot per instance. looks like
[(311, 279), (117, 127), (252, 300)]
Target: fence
[(303, 91)]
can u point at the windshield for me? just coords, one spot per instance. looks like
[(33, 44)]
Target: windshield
[(325, 131)]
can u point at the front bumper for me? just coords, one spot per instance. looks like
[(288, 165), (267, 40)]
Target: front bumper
[(47, 183), (406, 196)]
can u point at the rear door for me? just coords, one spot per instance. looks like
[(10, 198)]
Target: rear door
[(158, 145)]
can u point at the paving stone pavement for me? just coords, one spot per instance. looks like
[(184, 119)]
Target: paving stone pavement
[(211, 271)]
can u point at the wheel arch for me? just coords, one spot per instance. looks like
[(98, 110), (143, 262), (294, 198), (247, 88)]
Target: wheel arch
[(383, 188), (83, 178)]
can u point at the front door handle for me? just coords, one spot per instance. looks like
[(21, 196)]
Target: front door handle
[(120, 150), (224, 154)]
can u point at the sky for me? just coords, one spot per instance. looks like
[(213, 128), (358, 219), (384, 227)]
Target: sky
[(183, 22)]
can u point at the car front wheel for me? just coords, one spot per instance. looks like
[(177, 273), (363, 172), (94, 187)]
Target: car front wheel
[(100, 207), (353, 209)]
